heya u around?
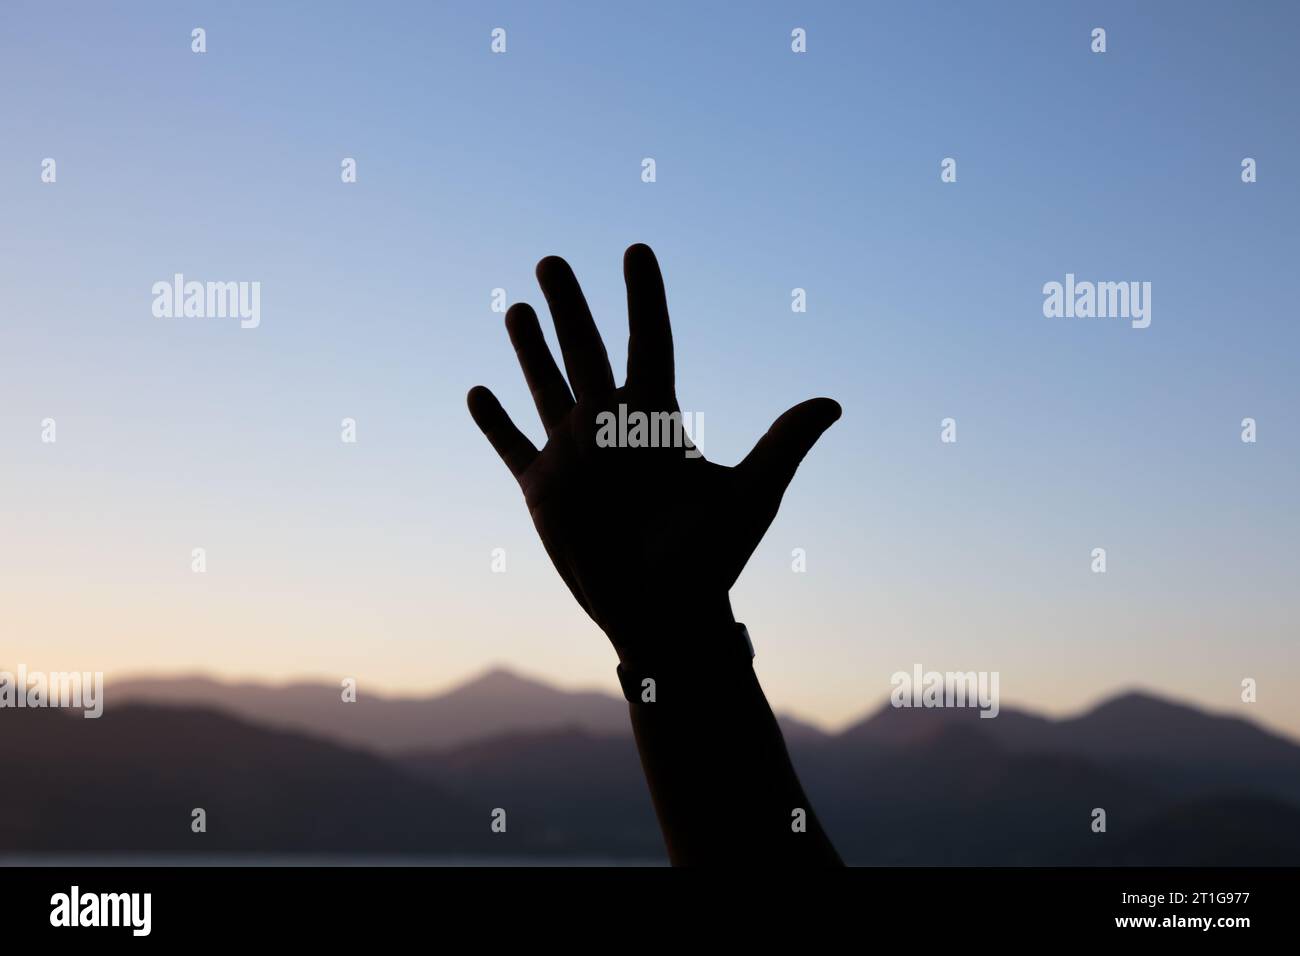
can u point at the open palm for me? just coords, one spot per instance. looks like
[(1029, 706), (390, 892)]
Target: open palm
[(648, 539)]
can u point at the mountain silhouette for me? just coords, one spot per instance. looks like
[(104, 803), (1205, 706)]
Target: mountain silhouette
[(576, 790), (498, 701), (1146, 735), (902, 786), (1227, 831), (129, 781)]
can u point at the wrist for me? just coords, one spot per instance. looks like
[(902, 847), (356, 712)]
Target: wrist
[(727, 668), (692, 631)]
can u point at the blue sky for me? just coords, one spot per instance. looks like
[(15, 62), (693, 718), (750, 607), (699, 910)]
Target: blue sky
[(774, 171)]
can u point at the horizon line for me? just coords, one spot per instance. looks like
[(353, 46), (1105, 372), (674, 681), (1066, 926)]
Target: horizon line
[(868, 711)]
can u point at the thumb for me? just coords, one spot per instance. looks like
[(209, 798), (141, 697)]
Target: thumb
[(774, 459)]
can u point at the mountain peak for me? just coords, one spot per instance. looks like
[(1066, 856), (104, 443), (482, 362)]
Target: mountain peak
[(499, 673), (499, 679), (1139, 707)]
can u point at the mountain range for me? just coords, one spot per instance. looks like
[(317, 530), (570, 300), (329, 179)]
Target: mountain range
[(496, 702), (294, 769)]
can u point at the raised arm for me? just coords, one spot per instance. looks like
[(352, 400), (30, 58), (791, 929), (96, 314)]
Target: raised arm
[(649, 536)]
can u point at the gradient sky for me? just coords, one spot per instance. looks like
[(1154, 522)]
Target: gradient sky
[(775, 171)]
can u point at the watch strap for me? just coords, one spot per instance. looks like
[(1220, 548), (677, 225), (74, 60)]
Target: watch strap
[(685, 672)]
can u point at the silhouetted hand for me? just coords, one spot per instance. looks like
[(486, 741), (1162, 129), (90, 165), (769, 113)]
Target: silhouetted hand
[(648, 539)]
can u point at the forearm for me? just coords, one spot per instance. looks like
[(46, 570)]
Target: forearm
[(719, 774)]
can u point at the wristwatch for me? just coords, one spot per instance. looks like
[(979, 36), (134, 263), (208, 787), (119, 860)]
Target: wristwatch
[(686, 671)]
